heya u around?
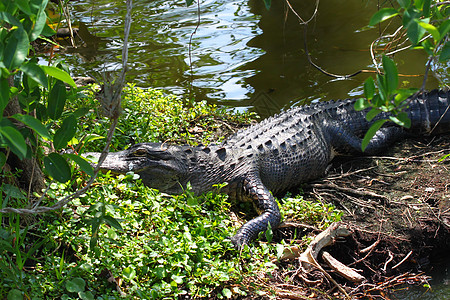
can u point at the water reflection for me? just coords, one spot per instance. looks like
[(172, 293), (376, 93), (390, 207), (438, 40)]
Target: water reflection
[(242, 54)]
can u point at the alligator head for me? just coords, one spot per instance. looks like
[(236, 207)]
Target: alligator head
[(159, 166)]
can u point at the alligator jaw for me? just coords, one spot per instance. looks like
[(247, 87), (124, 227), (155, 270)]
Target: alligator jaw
[(115, 162)]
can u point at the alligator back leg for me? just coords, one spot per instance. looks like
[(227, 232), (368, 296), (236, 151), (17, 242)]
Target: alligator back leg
[(266, 207), (345, 141)]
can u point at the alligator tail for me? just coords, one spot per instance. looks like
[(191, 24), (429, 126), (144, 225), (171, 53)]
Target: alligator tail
[(430, 113)]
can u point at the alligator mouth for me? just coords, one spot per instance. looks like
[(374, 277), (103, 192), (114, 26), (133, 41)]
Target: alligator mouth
[(114, 162)]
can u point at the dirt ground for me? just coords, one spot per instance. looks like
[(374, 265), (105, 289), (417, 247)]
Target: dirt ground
[(397, 206)]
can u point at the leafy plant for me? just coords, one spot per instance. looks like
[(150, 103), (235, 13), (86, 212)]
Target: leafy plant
[(426, 25), (39, 91)]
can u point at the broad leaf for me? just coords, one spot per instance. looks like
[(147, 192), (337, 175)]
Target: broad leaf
[(113, 223), (369, 88), (64, 134), (426, 8), (57, 167), (36, 73), (4, 94), (129, 273), (401, 119), (41, 20), (390, 74), (432, 30), (2, 159), (189, 2), (382, 15), (372, 114), (56, 100), (14, 140), (34, 124), (361, 104), (404, 3), (75, 285), (16, 49), (59, 74), (371, 133), (80, 161), (8, 18), (445, 54), (24, 6), (415, 32), (444, 28)]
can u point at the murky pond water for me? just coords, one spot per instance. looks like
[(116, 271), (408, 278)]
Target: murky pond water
[(241, 54)]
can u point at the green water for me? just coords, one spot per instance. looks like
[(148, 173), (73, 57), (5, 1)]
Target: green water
[(242, 55)]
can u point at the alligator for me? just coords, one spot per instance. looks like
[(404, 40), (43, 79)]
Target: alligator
[(277, 154)]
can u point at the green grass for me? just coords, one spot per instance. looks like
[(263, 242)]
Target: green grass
[(153, 245)]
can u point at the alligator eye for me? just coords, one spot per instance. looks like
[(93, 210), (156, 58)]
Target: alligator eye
[(140, 152)]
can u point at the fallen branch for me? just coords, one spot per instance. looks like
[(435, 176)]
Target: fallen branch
[(327, 237), (346, 272)]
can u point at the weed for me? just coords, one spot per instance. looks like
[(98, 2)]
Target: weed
[(122, 238)]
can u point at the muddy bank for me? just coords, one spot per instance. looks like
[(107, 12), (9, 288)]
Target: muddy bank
[(397, 206)]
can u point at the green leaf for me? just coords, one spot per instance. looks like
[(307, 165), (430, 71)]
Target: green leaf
[(41, 20), (382, 15), (36, 73), (227, 293), (269, 233), (59, 74), (177, 279), (402, 95), (404, 3), (391, 75), (57, 167), (415, 32), (64, 134), (372, 114), (280, 250), (444, 28), (2, 159), (75, 285), (189, 2), (16, 49), (111, 234), (444, 157), (361, 104), (56, 100), (8, 18), (129, 273), (382, 87), (14, 140), (113, 223), (86, 295), (445, 54), (80, 161), (427, 46), (369, 88), (401, 119), (34, 124), (4, 94), (418, 3), (268, 4), (426, 8), (371, 132), (15, 294), (24, 6), (432, 30)]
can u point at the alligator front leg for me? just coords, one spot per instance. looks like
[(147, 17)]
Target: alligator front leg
[(267, 208)]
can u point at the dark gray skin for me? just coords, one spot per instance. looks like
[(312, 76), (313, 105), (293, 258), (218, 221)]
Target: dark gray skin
[(273, 156)]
